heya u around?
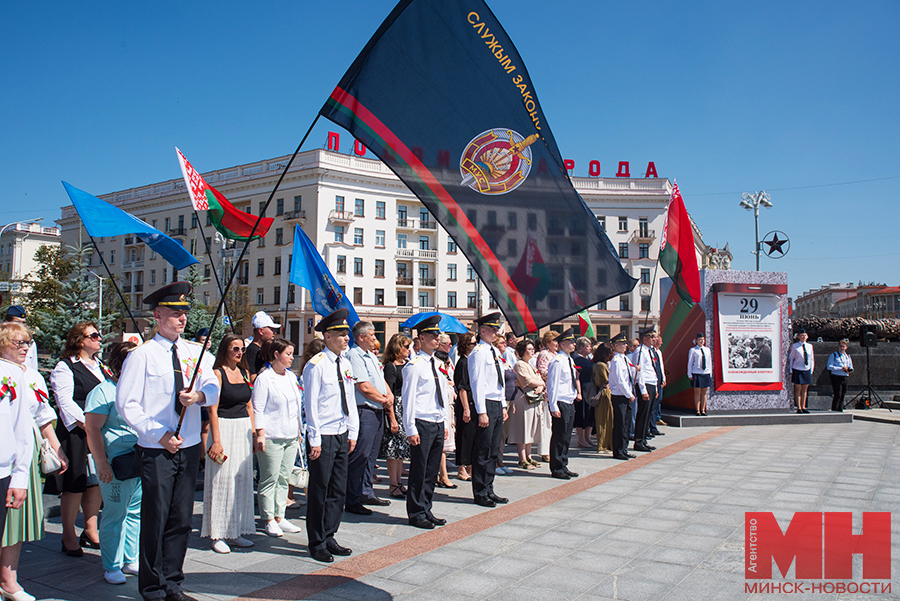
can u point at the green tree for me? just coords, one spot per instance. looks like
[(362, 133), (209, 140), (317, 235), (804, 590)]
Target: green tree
[(55, 265)]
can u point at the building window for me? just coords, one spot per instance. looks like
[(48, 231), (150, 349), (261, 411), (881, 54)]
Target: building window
[(194, 221), (602, 221), (153, 277), (207, 272), (260, 296), (208, 220), (341, 264), (379, 268), (401, 215), (643, 250), (261, 242), (279, 207), (645, 304), (339, 203), (193, 248), (112, 257), (168, 224), (511, 248), (645, 276), (357, 236), (424, 242), (165, 273), (297, 204), (423, 300), (260, 267), (206, 298), (262, 208), (380, 209), (532, 221), (153, 223), (357, 266), (423, 216), (602, 306), (401, 298), (623, 224), (401, 240), (379, 238), (277, 266), (451, 300), (401, 270), (276, 295), (357, 296), (451, 246), (279, 236), (379, 297), (339, 233), (511, 220), (290, 298), (424, 272), (643, 227), (470, 273), (623, 303), (359, 208), (248, 209), (471, 300), (492, 303), (451, 272), (623, 250)]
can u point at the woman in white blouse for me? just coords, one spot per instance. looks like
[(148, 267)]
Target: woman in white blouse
[(76, 374), (276, 414)]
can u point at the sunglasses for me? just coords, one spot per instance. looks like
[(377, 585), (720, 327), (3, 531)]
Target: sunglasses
[(20, 343), (237, 349), (94, 336)]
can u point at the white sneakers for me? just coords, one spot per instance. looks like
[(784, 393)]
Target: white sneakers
[(272, 529), (220, 546), (131, 568), (114, 577), (240, 542), (18, 596), (288, 527)]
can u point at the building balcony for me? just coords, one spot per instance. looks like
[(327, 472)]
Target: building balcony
[(126, 288), (336, 216), (138, 287), (177, 231), (406, 224), (415, 253), (427, 225), (137, 264), (643, 235), (415, 224), (294, 216), (405, 310), (427, 282), (129, 240), (404, 281)]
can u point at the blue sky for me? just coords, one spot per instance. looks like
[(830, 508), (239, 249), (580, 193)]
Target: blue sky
[(797, 98)]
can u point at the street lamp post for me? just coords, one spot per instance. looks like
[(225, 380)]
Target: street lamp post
[(752, 202)]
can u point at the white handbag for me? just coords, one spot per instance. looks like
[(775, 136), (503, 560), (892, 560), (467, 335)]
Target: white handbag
[(50, 461), (299, 475)]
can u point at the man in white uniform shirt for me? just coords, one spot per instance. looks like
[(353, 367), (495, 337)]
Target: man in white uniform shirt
[(489, 396), (563, 388), (699, 371), (332, 427), (647, 380), (426, 421), (621, 387), (802, 365), (155, 397)]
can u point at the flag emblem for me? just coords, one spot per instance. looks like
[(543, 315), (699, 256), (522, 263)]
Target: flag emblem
[(496, 161)]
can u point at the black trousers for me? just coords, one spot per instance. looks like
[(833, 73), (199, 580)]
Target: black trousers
[(487, 449), (621, 420), (361, 462), (839, 389), (644, 413), (560, 437), (4, 488), (167, 507), (326, 492), (424, 464)]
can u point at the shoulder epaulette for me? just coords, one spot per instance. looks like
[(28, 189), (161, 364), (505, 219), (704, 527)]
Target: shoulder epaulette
[(414, 359), (317, 357), (194, 342)]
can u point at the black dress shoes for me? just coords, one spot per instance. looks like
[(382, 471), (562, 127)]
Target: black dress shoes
[(374, 501), (570, 473), (179, 596), (72, 552), (561, 475), (323, 555), (86, 542), (358, 509), (336, 549), (498, 500), (621, 457), (485, 502), (421, 522), (436, 521), (644, 448), (630, 455), (658, 433)]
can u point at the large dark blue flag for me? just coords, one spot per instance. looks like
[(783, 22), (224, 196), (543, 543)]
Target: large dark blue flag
[(441, 95)]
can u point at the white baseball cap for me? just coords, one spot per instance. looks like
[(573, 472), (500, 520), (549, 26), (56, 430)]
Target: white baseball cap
[(262, 320)]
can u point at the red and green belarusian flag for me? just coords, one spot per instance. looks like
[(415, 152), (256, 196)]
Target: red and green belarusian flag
[(225, 217), (584, 320), (677, 256), (531, 276)]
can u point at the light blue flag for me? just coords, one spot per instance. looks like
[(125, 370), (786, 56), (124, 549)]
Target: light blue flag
[(309, 271), (103, 219)]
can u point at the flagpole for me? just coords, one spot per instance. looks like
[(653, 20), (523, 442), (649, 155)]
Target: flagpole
[(116, 286), (241, 258), (214, 270)]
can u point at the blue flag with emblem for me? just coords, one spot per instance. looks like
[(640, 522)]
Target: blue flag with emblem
[(309, 271), (103, 219)]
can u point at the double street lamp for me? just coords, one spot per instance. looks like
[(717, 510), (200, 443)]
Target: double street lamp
[(752, 202)]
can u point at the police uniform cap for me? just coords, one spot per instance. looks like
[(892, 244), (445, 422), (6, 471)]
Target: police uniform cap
[(699, 335), (173, 296), (801, 331), (567, 335), (15, 311), (334, 321), (429, 324), (491, 320), (620, 337), (648, 331)]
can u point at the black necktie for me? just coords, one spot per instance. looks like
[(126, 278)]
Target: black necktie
[(702, 359), (497, 365), (341, 386), (437, 384), (179, 379), (805, 355), (656, 366), (571, 371)]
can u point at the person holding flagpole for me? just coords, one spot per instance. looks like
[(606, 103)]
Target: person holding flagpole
[(151, 395)]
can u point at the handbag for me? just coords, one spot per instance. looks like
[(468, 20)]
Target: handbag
[(590, 394), (299, 477), (50, 461), (93, 478), (127, 465), (533, 398)]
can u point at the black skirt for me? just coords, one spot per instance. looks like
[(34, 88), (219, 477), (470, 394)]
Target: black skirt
[(74, 479), (465, 434)]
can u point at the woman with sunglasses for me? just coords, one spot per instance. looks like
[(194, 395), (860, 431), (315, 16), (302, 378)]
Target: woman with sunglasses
[(76, 374), (228, 478)]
